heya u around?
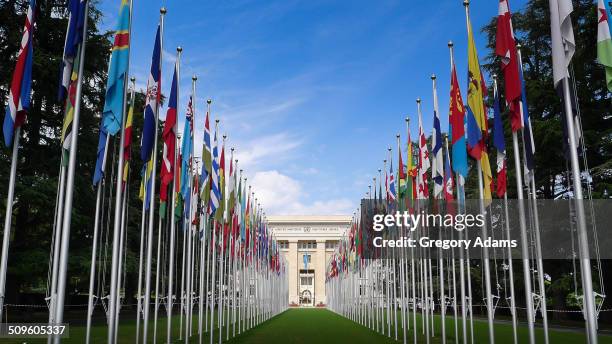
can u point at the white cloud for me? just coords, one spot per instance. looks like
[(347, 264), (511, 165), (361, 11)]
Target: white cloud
[(273, 148), (282, 195)]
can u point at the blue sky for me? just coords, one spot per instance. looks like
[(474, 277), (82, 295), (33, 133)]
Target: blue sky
[(310, 93)]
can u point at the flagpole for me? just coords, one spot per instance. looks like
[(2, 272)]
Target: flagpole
[(170, 301), (140, 260), (63, 267), (538, 246), (583, 243), (7, 220), (151, 200), (509, 252)]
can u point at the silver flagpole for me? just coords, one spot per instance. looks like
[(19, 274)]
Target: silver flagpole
[(189, 231), (94, 248), (460, 198), (7, 221), (583, 240), (213, 263), (140, 261), (509, 252), (538, 245), (122, 239), (63, 266), (172, 218), (157, 276), (441, 257), (222, 249), (485, 250), (147, 295)]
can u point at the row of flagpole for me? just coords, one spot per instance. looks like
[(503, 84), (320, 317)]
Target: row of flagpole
[(359, 286), (237, 261)]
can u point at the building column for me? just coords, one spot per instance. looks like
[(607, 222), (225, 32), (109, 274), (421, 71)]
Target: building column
[(293, 268), (319, 280)]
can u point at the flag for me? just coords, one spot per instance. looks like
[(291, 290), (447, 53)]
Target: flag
[(401, 174), (437, 163), (456, 121), (563, 48), (127, 141), (187, 149), (392, 195), (169, 137), (231, 188), (215, 193), (411, 170), (117, 73), (145, 184), (528, 141), (207, 158), (100, 156), (21, 83), (152, 101), (220, 213), (562, 38), (74, 37), (604, 42), (448, 178), (505, 48), (70, 104), (477, 120), (423, 162), (500, 146)]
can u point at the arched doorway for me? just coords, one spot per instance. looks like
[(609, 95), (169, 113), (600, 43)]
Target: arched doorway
[(306, 298)]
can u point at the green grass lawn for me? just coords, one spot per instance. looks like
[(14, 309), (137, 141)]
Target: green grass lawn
[(317, 326)]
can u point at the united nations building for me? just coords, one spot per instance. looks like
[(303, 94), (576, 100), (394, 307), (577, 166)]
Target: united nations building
[(308, 242)]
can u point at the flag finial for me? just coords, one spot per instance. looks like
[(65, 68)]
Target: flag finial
[(179, 49), (450, 44), (407, 119), (133, 79), (495, 76), (397, 135), (209, 101), (466, 3), (163, 10), (518, 45), (418, 100), (433, 77), (194, 78)]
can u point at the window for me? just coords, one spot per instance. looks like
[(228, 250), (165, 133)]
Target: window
[(331, 244), (283, 244), (306, 280), (307, 245)]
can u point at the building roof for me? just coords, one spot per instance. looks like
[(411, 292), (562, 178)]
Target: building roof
[(309, 219)]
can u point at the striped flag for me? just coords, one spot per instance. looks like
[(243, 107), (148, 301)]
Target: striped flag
[(448, 178), (127, 142), (207, 165), (152, 101), (220, 214), (66, 137), (21, 83), (74, 37), (392, 195), (169, 137), (477, 120), (117, 72)]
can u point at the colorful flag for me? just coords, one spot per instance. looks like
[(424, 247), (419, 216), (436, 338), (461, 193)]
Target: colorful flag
[(145, 184), (392, 194), (604, 42), (187, 149), (169, 137), (477, 120), (215, 192), (207, 165), (220, 213), (21, 84), (127, 141), (100, 156), (500, 146), (437, 163), (152, 101), (424, 164), (70, 104), (117, 73), (505, 48), (74, 37), (457, 128), (448, 178)]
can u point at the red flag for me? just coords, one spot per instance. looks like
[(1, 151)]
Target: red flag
[(505, 48), (169, 137)]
